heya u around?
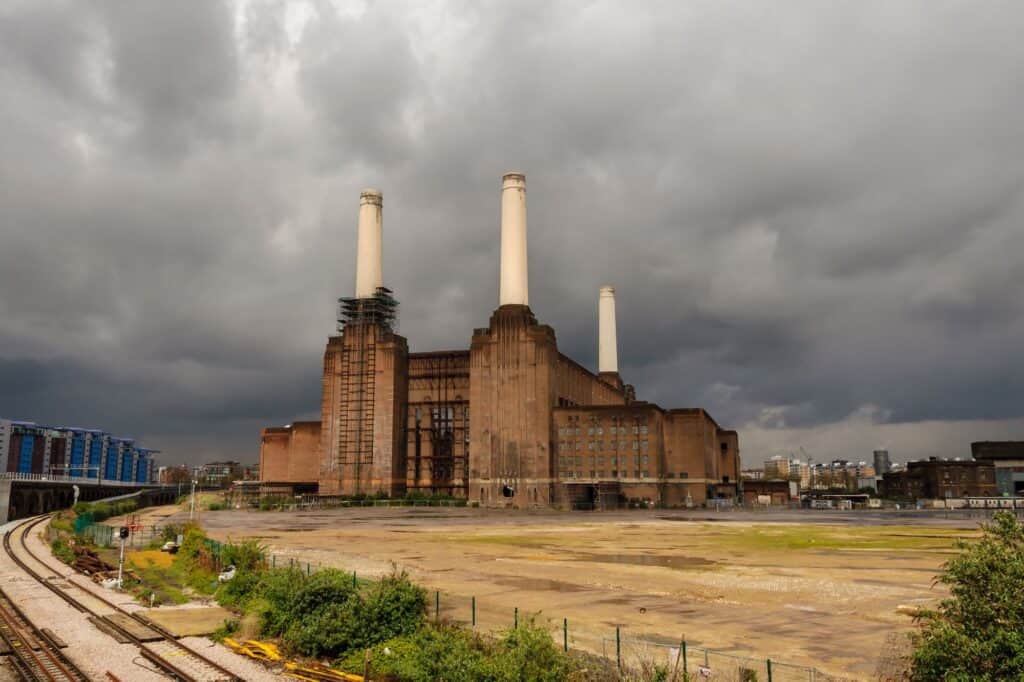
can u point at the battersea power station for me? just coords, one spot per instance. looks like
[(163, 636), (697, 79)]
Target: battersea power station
[(509, 421)]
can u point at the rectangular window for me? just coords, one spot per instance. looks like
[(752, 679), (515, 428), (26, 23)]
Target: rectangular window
[(643, 429), (593, 474), (615, 474), (636, 445), (615, 460), (590, 431), (643, 460), (636, 429), (579, 460), (643, 445), (600, 431), (636, 474), (577, 430)]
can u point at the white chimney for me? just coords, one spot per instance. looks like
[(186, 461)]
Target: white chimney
[(369, 250), (607, 345), (514, 287)]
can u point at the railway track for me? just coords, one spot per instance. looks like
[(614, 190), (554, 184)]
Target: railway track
[(154, 643), (36, 656)]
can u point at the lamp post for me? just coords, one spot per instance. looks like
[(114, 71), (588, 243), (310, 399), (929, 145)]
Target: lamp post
[(192, 506)]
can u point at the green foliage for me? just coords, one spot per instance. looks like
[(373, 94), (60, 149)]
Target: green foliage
[(270, 502), (62, 550), (100, 511), (330, 617), (171, 532), (247, 555), (61, 523), (455, 654), (228, 629), (323, 613), (978, 632), (446, 653)]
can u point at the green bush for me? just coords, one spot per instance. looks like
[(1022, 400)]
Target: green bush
[(978, 632), (446, 653), (248, 555), (62, 550), (100, 511), (454, 654), (529, 653)]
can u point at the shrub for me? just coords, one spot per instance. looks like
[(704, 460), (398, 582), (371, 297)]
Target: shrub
[(432, 653), (978, 632), (454, 654), (529, 653), (247, 555), (62, 550)]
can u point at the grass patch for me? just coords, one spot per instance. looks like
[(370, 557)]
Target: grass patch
[(837, 538)]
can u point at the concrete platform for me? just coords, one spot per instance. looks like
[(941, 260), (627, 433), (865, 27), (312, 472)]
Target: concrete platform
[(189, 622)]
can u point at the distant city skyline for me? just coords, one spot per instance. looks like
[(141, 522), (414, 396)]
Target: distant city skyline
[(811, 214)]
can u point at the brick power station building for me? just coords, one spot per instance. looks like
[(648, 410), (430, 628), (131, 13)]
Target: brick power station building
[(510, 420)]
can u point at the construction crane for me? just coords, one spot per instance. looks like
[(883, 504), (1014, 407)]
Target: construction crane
[(810, 467)]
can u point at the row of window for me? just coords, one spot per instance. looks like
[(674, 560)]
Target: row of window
[(599, 430), (568, 461), (568, 445), (601, 474)]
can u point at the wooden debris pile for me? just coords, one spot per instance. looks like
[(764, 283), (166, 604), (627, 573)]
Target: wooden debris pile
[(88, 562)]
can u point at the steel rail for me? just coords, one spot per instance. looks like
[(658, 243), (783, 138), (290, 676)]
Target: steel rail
[(36, 656)]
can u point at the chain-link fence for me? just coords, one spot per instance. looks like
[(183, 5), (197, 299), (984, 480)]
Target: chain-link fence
[(680, 661)]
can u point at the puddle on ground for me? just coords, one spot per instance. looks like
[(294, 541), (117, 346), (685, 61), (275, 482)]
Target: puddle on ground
[(540, 584), (677, 562)]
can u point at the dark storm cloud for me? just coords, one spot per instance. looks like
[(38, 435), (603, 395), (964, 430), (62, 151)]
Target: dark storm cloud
[(812, 215)]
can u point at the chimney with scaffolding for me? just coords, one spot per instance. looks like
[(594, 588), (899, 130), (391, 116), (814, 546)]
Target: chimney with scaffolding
[(364, 370)]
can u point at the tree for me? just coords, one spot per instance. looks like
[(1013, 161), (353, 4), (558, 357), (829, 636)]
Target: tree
[(978, 632)]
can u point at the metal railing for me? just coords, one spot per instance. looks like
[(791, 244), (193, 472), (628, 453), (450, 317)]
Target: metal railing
[(64, 478)]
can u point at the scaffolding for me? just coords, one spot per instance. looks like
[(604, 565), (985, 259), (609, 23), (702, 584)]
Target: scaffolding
[(364, 321), (381, 309), (438, 435)]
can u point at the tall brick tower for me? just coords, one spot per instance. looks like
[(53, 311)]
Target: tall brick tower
[(512, 376), (365, 381)]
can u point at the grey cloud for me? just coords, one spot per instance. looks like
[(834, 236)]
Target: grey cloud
[(805, 209)]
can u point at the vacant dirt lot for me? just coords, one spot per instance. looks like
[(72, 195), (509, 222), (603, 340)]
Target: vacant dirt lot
[(816, 588)]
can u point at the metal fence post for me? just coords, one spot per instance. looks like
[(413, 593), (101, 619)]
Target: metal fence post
[(685, 673), (437, 605), (618, 648), (565, 634), (473, 604), (353, 579), (516, 616), (769, 670)]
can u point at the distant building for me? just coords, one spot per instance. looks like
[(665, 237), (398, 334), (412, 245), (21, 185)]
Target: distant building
[(218, 474), (1008, 459), (173, 475), (882, 462), (765, 492), (777, 468), (936, 479), (30, 448), (752, 474)]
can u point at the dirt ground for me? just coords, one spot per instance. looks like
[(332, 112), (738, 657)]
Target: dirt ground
[(802, 587)]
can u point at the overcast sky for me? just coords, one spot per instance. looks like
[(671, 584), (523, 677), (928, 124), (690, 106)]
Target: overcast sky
[(812, 212)]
